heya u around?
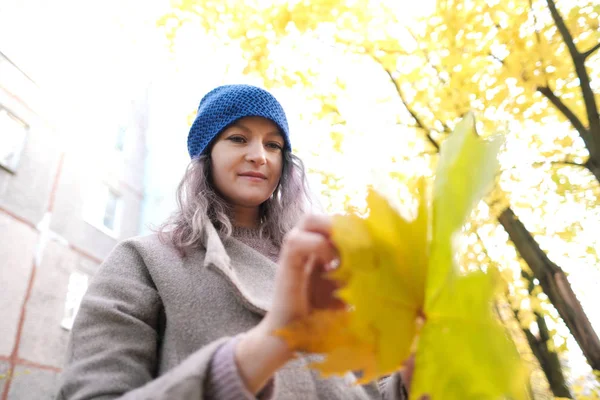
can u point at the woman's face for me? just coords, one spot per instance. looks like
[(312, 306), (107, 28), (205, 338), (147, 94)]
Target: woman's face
[(247, 160)]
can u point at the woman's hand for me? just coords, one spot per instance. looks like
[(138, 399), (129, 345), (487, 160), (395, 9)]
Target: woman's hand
[(300, 287), (300, 284)]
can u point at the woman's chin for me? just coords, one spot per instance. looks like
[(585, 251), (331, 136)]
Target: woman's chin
[(253, 200)]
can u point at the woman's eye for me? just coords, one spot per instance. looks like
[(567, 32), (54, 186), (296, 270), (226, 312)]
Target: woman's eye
[(275, 146), (237, 139)]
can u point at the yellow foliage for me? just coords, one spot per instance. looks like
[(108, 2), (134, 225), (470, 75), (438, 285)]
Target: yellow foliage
[(491, 56), (469, 54), (400, 281)]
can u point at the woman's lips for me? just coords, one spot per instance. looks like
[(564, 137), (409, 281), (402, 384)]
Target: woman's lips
[(253, 176)]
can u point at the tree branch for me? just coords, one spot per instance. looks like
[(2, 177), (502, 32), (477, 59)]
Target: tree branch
[(548, 359), (593, 167), (556, 286), (418, 120), (590, 51), (565, 110), (564, 31), (559, 162), (567, 162), (445, 126), (427, 57), (593, 141), (539, 41), (495, 57)]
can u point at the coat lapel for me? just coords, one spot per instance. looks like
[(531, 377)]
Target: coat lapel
[(250, 274)]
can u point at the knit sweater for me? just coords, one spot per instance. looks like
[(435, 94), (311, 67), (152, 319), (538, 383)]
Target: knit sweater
[(252, 238)]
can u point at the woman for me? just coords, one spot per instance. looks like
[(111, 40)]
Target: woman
[(188, 313)]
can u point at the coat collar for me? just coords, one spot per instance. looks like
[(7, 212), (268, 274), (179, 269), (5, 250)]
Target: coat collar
[(251, 274)]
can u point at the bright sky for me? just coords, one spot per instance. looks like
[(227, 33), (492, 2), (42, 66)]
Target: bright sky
[(92, 59)]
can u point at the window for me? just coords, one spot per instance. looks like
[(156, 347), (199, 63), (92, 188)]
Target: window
[(103, 208), (13, 132), (110, 213), (16, 82), (78, 284), (115, 153), (120, 139)]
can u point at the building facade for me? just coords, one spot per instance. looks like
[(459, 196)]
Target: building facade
[(66, 199)]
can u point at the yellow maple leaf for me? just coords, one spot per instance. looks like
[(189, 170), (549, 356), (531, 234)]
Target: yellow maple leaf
[(465, 172), (384, 291), (400, 280)]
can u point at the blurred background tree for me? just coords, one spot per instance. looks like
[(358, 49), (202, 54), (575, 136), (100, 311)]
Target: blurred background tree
[(529, 68)]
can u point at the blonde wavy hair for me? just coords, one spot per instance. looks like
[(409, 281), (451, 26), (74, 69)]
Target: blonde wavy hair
[(198, 203)]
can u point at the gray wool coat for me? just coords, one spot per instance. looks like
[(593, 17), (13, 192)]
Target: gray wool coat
[(151, 321)]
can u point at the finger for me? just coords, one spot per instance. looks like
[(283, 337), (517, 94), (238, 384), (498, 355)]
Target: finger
[(298, 245), (410, 361), (317, 223), (304, 286), (309, 267), (408, 370)]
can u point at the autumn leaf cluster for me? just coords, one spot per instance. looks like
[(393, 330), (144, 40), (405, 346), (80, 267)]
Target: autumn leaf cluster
[(405, 292)]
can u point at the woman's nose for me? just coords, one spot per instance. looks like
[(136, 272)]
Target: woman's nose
[(256, 153)]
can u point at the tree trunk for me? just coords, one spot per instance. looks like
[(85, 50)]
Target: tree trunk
[(547, 358), (594, 168), (556, 286), (552, 279)]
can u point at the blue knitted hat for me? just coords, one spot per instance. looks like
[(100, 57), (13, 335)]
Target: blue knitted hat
[(226, 104)]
